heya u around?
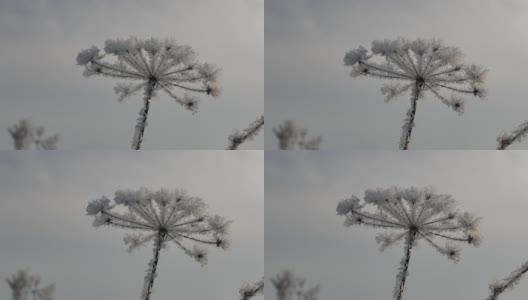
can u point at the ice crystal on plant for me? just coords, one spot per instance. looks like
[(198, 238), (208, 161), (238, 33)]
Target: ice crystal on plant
[(152, 65), (421, 66), (412, 215), (162, 217)]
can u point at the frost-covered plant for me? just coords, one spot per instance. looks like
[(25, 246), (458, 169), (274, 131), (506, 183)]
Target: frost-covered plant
[(25, 286), (26, 134), (152, 65), (248, 291), (420, 65), (288, 286), (505, 139), (412, 214), (238, 137), (163, 216), (507, 283), (290, 136)]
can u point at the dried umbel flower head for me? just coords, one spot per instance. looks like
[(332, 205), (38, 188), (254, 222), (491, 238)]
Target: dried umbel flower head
[(150, 66), (288, 286), (412, 215), (290, 137), (26, 134), (162, 216), (25, 285), (420, 66)]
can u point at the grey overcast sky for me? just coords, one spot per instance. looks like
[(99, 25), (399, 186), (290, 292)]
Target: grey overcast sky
[(44, 226), (305, 79), (40, 79), (303, 232)]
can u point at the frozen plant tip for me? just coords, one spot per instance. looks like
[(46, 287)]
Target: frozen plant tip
[(420, 66), (237, 137), (23, 284), (288, 286), (248, 291), (504, 140), (162, 216), (411, 215), (507, 283), (26, 134), (150, 66), (290, 136)]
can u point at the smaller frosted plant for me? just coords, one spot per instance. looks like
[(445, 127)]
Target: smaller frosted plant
[(248, 291), (509, 282), (162, 216), (152, 65), (420, 66), (412, 215), (290, 136), (239, 137), (26, 134), (288, 286), (25, 286), (504, 140)]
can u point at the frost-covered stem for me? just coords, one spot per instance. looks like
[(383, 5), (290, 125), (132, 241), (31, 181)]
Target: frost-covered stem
[(405, 266), (511, 280), (258, 288), (521, 131), (409, 121), (143, 114), (149, 279), (248, 134)]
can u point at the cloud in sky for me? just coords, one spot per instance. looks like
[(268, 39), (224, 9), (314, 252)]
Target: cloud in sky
[(305, 80), (303, 232), (44, 226), (39, 78)]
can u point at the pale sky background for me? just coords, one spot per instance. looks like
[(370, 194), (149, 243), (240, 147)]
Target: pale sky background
[(303, 232), (39, 77), (305, 79), (44, 226)]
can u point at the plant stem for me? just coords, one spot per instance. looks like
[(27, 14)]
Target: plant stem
[(409, 121), (149, 279), (522, 130), (143, 114), (401, 288), (509, 282)]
